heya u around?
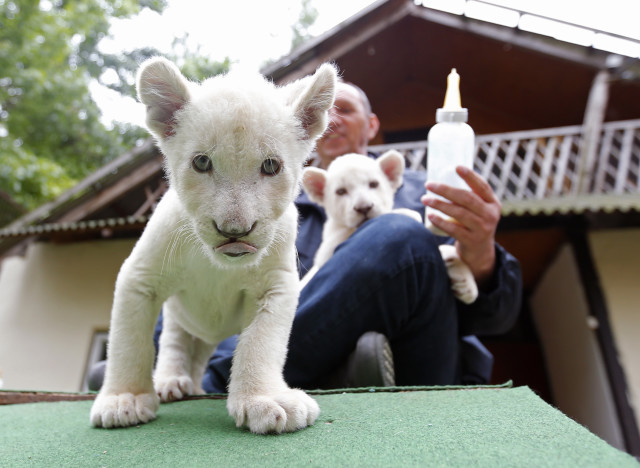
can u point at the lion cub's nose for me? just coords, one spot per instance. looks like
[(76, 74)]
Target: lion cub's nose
[(233, 233), (363, 209)]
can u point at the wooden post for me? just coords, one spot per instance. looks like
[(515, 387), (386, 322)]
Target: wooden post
[(592, 127)]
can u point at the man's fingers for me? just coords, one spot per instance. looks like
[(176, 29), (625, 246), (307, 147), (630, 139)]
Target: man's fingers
[(480, 201), (477, 184), (449, 226), (466, 218), (462, 197)]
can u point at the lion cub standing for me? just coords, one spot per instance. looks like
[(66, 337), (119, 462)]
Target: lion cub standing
[(355, 188), (218, 254)]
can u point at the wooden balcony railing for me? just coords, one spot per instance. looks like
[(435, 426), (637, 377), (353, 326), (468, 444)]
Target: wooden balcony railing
[(551, 163)]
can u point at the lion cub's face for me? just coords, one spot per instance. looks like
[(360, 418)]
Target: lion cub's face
[(234, 148), (355, 188)]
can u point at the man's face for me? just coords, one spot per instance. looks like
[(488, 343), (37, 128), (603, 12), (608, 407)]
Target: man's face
[(350, 126)]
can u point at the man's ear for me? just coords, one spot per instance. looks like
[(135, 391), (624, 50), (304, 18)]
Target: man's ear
[(374, 126), (314, 181), (312, 98), (392, 164), (163, 89)]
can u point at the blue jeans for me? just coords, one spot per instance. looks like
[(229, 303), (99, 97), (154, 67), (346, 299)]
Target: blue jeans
[(387, 277)]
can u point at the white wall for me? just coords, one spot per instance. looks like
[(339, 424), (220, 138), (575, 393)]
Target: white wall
[(51, 302), (617, 258), (576, 371)]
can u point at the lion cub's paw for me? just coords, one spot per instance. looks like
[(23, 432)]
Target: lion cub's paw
[(124, 409), (287, 411), (463, 283), (175, 387)]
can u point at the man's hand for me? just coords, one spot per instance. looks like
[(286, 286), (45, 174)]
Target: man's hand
[(477, 213)]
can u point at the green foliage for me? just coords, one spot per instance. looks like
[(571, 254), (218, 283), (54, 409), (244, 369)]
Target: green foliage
[(34, 178), (50, 130), (308, 16), (193, 63), (198, 67), (300, 30), (51, 135)]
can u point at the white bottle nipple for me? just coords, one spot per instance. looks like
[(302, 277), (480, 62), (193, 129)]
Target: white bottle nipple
[(452, 111), (452, 99)]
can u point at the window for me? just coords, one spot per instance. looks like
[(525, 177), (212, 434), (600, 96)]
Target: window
[(97, 353)]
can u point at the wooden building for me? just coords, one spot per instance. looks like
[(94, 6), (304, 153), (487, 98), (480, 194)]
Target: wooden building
[(558, 130)]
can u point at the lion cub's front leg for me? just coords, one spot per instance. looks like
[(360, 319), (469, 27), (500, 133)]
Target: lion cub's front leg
[(127, 397), (181, 361), (258, 395), (463, 283)]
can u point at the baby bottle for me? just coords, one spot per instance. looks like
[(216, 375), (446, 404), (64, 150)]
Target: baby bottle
[(450, 144)]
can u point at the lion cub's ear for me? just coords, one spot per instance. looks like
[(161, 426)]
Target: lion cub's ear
[(314, 180), (164, 90), (312, 98), (392, 164)]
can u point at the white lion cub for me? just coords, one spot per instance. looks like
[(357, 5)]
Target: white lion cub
[(355, 188), (218, 254)]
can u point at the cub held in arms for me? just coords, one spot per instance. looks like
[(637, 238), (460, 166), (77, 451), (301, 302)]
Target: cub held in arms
[(218, 254), (356, 188)]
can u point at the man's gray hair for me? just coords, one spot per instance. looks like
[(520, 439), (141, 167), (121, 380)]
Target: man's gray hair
[(363, 95)]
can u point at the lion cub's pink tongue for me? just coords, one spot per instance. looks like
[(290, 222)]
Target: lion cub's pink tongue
[(236, 249)]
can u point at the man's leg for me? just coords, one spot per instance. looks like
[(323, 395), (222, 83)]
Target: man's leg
[(216, 376), (387, 277)]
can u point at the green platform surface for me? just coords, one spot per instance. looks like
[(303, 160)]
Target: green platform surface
[(486, 427)]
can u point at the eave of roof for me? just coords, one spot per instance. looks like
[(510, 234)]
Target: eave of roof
[(93, 225), (574, 205), (109, 173), (608, 203)]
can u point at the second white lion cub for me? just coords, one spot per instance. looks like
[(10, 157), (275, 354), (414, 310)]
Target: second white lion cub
[(356, 188)]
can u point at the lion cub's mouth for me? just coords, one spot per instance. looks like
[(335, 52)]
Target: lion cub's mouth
[(234, 248)]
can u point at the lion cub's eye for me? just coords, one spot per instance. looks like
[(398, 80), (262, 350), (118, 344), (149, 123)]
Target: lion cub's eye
[(201, 163), (341, 191), (373, 184), (270, 167)]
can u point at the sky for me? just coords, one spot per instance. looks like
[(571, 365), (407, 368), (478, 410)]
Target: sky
[(250, 32), (220, 28)]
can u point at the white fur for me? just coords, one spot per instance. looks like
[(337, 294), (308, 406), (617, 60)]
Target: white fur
[(212, 285), (355, 188)]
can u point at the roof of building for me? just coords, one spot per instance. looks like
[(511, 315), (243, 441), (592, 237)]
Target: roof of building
[(400, 53)]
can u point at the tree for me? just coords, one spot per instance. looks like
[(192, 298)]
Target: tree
[(50, 129), (51, 135), (193, 64), (308, 16)]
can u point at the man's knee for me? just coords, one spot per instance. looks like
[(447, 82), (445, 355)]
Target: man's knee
[(396, 232), (387, 244)]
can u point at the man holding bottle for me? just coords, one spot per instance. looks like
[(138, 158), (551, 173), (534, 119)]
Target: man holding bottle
[(389, 278)]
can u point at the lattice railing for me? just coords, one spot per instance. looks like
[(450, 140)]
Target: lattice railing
[(618, 168), (551, 162)]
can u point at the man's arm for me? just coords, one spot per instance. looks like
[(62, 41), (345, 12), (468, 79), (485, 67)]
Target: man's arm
[(496, 271)]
